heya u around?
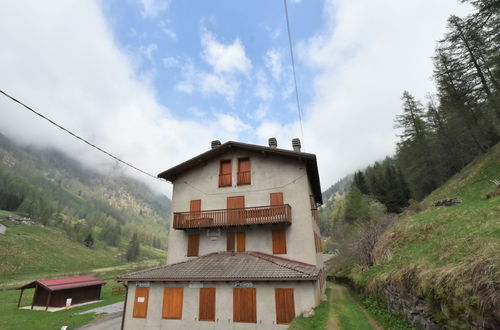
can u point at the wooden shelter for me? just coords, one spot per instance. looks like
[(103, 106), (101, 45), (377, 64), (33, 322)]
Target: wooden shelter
[(54, 292)]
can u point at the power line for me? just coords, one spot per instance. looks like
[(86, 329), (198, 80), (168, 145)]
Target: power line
[(78, 137), (293, 70)]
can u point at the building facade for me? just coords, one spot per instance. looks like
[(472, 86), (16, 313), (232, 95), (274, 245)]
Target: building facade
[(244, 249)]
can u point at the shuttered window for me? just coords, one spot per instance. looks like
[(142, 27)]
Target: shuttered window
[(244, 172), (276, 198), (244, 305), (225, 173), (230, 241), (240, 242), (207, 304), (193, 245), (172, 303), (285, 305), (141, 302), (279, 242), (235, 212), (195, 205)]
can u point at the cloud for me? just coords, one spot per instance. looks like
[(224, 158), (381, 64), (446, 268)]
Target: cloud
[(148, 50), (273, 61), (170, 62), (263, 89), (152, 8), (231, 123)]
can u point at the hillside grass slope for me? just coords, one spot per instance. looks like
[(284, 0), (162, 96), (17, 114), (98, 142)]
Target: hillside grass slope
[(449, 255)]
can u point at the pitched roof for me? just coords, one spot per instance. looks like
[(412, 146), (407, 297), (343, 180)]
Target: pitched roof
[(309, 160), (55, 284), (229, 266)]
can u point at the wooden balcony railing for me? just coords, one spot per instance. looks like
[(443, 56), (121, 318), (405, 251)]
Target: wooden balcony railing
[(233, 217)]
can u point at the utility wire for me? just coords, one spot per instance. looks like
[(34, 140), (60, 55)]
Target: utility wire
[(293, 69), (78, 137)]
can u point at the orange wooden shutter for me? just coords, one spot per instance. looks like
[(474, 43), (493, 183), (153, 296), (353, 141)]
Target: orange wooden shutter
[(193, 245), (279, 242), (141, 302), (240, 242), (207, 304), (276, 198), (244, 305), (230, 241), (172, 303), (195, 205), (225, 173), (235, 216), (244, 171), (285, 305)]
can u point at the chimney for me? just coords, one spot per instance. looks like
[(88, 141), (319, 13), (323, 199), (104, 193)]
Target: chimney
[(215, 144), (296, 144), (273, 143)]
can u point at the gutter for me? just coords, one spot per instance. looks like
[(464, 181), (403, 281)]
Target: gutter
[(124, 306)]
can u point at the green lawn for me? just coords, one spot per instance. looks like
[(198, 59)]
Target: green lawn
[(12, 318), (316, 322)]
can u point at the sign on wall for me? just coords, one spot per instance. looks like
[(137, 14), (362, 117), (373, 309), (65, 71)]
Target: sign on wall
[(195, 285), (143, 284), (243, 284)]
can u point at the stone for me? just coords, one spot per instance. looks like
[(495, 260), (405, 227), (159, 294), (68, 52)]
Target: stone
[(308, 312)]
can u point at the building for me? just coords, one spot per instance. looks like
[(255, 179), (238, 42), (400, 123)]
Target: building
[(244, 247), (54, 292)]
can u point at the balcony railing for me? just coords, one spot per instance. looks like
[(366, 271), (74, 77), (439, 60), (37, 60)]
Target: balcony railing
[(233, 217)]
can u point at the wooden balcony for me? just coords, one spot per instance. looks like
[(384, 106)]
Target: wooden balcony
[(234, 217)]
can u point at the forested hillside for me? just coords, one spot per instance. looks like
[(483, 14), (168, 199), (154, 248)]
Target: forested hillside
[(58, 191)]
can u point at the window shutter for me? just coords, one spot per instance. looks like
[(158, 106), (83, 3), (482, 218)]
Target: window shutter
[(285, 305), (244, 305), (244, 172), (193, 245), (240, 242), (172, 303), (235, 216), (195, 205), (230, 241), (279, 242), (207, 304), (276, 198), (225, 173), (141, 302)]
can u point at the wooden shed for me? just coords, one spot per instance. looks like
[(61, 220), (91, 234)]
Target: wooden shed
[(53, 292)]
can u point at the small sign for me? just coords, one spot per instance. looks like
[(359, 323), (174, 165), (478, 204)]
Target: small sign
[(243, 284), (68, 303), (196, 285), (143, 284), (140, 299)]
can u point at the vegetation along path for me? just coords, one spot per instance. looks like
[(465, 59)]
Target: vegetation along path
[(345, 313)]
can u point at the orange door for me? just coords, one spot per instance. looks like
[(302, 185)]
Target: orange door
[(240, 241), (235, 207)]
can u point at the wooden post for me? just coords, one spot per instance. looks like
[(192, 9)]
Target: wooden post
[(48, 300), (20, 297), (34, 295)]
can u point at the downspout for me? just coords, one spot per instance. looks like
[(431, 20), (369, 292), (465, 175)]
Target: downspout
[(124, 305)]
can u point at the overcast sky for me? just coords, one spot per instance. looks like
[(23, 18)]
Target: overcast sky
[(155, 81)]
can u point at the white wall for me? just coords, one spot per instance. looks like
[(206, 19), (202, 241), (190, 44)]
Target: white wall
[(269, 174), (305, 294)]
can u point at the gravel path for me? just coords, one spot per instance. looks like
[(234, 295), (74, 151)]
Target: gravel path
[(110, 309)]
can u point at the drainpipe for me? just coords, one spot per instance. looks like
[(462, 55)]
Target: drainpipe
[(124, 305)]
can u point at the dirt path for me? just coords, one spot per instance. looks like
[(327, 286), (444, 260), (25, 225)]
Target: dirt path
[(341, 303)]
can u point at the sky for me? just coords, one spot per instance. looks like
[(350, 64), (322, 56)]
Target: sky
[(155, 81)]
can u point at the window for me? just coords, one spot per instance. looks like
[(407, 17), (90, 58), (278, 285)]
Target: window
[(244, 305), (230, 242), (240, 241), (172, 303), (193, 245), (276, 198), (244, 173), (207, 304), (225, 173), (141, 302), (235, 206), (279, 242), (285, 305)]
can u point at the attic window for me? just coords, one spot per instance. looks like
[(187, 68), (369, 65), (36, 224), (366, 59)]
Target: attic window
[(225, 173), (244, 172)]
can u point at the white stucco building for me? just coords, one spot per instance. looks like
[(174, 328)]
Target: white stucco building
[(244, 249)]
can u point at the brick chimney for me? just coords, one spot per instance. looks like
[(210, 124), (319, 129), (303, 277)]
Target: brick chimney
[(215, 144), (296, 144), (273, 143)]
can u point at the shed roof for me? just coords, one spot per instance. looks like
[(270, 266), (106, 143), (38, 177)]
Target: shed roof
[(62, 283), (308, 158), (229, 266)]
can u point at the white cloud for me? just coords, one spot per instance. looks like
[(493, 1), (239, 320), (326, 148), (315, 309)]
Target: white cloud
[(170, 62), (231, 123), (273, 61), (230, 58), (148, 50), (152, 8), (263, 90)]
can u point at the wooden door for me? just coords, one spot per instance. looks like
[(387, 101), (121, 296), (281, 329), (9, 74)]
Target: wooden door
[(279, 242), (172, 303), (141, 302), (193, 245), (276, 201), (285, 305), (235, 205), (230, 241), (244, 305), (240, 242), (207, 304)]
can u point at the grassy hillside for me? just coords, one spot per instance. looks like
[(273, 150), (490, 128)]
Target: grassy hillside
[(449, 255)]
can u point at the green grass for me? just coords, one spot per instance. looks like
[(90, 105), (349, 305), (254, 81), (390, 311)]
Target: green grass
[(348, 313), (12, 318), (316, 322)]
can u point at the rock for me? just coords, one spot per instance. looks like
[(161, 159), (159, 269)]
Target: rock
[(308, 312), (448, 202), (324, 297)]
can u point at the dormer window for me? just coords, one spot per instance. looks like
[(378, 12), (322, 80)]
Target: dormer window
[(225, 173), (244, 173)]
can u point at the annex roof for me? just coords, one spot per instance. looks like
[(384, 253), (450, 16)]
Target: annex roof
[(308, 158), (55, 284), (229, 266)]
